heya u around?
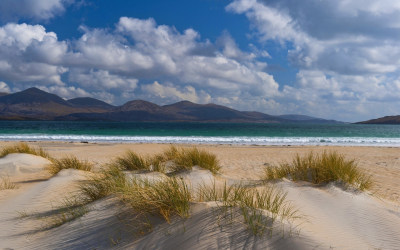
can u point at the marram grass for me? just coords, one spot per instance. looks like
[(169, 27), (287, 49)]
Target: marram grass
[(24, 148), (6, 183), (68, 162), (186, 158), (322, 168), (259, 208), (164, 198), (181, 159)]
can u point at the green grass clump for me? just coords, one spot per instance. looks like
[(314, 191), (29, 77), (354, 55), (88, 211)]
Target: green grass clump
[(103, 184), (68, 162), (259, 207), (131, 161), (163, 198), (322, 168), (185, 159), (24, 148), (181, 159), (134, 161), (6, 183)]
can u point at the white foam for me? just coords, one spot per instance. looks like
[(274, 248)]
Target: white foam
[(240, 140)]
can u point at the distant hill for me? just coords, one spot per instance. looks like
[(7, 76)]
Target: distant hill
[(35, 104), (383, 120), (306, 119), (88, 102)]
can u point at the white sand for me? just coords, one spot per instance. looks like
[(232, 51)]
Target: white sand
[(335, 218)]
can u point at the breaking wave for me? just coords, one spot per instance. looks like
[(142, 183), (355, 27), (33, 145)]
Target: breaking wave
[(238, 140)]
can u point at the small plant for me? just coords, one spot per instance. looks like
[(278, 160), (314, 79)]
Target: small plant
[(6, 183), (187, 158), (171, 153), (259, 208), (103, 184), (24, 148), (69, 162), (164, 198), (180, 158), (323, 168), (131, 161)]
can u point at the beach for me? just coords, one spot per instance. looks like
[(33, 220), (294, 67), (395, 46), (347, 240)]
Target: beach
[(339, 218), (248, 162)]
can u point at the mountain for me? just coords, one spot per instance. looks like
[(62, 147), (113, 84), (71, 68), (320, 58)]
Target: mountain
[(383, 120), (35, 104), (88, 102)]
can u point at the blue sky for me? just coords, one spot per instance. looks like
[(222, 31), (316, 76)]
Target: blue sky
[(331, 59)]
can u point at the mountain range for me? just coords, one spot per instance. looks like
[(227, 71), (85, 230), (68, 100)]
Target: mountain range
[(35, 104)]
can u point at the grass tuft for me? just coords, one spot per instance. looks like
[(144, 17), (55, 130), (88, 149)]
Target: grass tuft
[(185, 159), (69, 162), (181, 159), (6, 183), (131, 161), (103, 184), (24, 148), (259, 207), (322, 168), (163, 198)]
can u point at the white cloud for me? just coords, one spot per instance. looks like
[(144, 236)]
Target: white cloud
[(102, 79), (167, 93), (347, 53), (13, 10), (4, 87), (29, 54)]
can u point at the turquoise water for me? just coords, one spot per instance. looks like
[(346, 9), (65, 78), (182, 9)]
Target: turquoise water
[(214, 133)]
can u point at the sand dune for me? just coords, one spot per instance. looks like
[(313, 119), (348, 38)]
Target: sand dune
[(333, 217), (20, 164)]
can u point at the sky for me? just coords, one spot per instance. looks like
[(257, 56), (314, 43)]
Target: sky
[(330, 59)]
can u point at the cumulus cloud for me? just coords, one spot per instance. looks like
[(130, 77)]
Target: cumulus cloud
[(14, 10), (122, 61), (141, 49), (30, 54), (168, 93), (4, 87), (347, 52)]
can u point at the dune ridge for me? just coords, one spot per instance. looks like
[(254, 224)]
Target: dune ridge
[(332, 216)]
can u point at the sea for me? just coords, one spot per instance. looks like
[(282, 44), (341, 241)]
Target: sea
[(202, 133)]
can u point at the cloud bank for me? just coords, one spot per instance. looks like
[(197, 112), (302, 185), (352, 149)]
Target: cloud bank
[(347, 52)]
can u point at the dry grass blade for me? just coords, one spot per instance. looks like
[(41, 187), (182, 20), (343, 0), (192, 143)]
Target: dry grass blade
[(6, 183), (131, 161), (105, 183), (24, 148), (163, 198), (322, 168), (69, 162), (259, 208), (187, 158)]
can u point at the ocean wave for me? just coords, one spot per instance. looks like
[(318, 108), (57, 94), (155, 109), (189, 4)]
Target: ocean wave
[(239, 140)]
